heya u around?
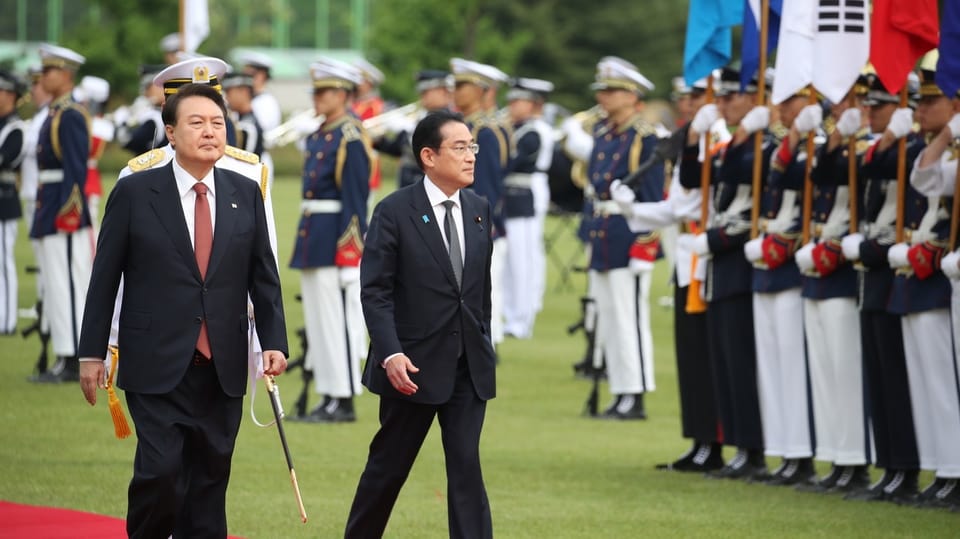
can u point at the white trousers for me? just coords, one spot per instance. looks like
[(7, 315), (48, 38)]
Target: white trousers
[(781, 373), (334, 337), (67, 261), (623, 329), (8, 276), (836, 376), (498, 264), (538, 256), (932, 372), (519, 282)]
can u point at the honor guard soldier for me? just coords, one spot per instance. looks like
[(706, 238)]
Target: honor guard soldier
[(622, 260), (881, 332), (526, 198), (777, 301), (62, 220), (921, 294), (433, 86), (96, 91), (329, 243), (12, 149), (367, 103), (170, 46), (934, 176), (830, 314), (728, 282), (698, 409), (472, 83), (238, 90), (266, 108), (139, 126)]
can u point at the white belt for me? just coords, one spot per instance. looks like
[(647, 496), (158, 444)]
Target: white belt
[(522, 181), (50, 176), (321, 206), (8, 176), (606, 208)]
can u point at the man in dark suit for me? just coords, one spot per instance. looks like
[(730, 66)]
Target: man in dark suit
[(191, 243), (426, 301)]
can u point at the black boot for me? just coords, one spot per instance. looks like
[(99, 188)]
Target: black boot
[(66, 369), (682, 463), (822, 484), (902, 489), (793, 472), (874, 492), (337, 410), (853, 479), (626, 407)]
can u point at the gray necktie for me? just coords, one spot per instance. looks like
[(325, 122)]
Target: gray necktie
[(453, 241)]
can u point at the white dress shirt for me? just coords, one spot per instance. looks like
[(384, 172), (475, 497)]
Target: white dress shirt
[(437, 198)]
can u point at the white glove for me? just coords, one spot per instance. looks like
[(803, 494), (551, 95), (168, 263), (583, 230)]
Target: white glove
[(810, 118), (954, 125), (849, 122), (950, 263), (348, 276), (701, 246), (704, 118), (571, 125), (850, 245), (758, 118), (638, 265), (753, 249), (621, 194), (804, 258), (897, 255), (901, 123), (121, 116)]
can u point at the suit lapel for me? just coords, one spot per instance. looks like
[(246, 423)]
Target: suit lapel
[(227, 207), (169, 210), (473, 237), (423, 218)]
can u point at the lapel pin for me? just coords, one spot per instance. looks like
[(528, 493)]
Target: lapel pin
[(477, 219), (233, 205), (425, 218)]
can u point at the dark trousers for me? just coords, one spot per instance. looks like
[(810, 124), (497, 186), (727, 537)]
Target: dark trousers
[(185, 441), (698, 404), (734, 359), (403, 427), (888, 392)]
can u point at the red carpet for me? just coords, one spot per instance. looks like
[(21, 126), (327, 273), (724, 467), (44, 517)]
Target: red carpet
[(19, 521)]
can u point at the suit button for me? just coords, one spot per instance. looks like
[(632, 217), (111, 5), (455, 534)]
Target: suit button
[(204, 290), (454, 333), (198, 320)]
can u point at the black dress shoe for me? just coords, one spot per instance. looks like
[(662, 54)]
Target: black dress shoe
[(902, 489), (684, 460), (793, 472), (702, 457), (65, 369), (928, 496), (626, 407), (852, 479), (334, 411), (823, 484), (746, 464), (948, 497), (874, 492)]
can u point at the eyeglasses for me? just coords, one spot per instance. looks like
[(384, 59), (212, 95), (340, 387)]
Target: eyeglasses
[(461, 149)]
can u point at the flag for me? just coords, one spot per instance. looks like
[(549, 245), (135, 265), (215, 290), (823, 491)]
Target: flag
[(709, 36), (902, 31), (948, 66), (841, 46), (750, 51), (794, 69), (196, 23)]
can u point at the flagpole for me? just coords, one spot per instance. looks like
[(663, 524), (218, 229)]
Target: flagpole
[(695, 303), (955, 214), (181, 26), (901, 172), (758, 136), (852, 182), (807, 181)]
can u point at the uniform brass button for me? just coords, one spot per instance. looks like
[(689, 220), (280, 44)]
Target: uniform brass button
[(308, 194)]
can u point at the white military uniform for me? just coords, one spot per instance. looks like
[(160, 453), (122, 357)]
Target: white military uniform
[(8, 224), (29, 180)]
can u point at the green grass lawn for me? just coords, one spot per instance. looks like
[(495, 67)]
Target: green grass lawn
[(550, 472)]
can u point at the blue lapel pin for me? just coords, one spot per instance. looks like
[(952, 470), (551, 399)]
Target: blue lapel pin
[(425, 218), (233, 205)]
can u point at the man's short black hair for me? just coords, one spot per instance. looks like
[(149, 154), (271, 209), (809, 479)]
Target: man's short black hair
[(427, 133), (169, 113)]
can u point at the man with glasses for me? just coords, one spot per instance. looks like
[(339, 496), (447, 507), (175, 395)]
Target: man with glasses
[(426, 300)]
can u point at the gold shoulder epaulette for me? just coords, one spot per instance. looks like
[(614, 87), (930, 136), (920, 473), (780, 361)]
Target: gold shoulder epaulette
[(351, 131), (146, 160), (779, 130), (862, 146), (242, 155)]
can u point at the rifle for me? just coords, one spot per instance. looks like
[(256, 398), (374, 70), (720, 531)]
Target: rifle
[(36, 327), (666, 148), (306, 375)]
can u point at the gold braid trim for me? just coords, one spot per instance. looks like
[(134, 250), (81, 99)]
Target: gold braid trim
[(350, 243), (264, 175)]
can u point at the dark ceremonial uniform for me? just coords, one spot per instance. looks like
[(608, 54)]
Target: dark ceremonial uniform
[(728, 290), (249, 134), (62, 220), (12, 151), (881, 333), (490, 164), (148, 134), (778, 309), (336, 184), (621, 288)]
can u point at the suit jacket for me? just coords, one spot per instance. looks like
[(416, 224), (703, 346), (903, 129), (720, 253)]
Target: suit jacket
[(411, 301), (144, 237)]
